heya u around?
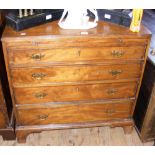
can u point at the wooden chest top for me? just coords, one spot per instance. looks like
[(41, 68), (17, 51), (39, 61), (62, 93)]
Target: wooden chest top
[(52, 30)]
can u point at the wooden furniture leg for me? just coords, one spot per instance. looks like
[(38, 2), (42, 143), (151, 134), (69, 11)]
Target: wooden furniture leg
[(21, 136), (8, 134), (128, 129)]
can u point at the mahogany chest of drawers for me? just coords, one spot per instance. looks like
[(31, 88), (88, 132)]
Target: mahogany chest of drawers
[(74, 78)]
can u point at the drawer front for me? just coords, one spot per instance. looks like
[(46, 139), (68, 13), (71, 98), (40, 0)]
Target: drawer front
[(83, 41), (37, 76), (74, 113), (2, 120), (30, 57), (74, 93)]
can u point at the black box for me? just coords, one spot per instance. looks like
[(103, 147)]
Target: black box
[(39, 17), (117, 16)]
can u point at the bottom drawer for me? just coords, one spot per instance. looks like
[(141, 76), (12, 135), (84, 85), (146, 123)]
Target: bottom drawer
[(74, 113), (2, 120)]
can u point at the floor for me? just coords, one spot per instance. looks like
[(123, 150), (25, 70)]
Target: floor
[(98, 136)]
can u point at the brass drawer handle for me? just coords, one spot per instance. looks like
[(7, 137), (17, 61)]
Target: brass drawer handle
[(37, 56), (42, 117), (117, 53), (38, 76), (112, 91), (115, 72), (40, 95)]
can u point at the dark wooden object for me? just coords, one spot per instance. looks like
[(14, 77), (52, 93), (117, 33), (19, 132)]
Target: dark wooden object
[(145, 110), (6, 113), (74, 78)]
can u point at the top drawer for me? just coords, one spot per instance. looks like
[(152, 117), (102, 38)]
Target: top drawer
[(59, 55), (74, 42)]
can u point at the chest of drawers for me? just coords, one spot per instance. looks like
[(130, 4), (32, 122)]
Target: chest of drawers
[(72, 78)]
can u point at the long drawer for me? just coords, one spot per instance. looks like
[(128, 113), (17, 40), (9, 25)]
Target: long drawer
[(36, 56), (2, 120), (74, 73), (74, 113), (74, 92), (82, 41)]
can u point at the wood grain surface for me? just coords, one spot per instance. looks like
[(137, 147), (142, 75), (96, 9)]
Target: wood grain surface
[(74, 73), (75, 93), (52, 30), (74, 113), (31, 57)]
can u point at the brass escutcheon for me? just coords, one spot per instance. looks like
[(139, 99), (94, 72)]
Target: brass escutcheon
[(110, 111)]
